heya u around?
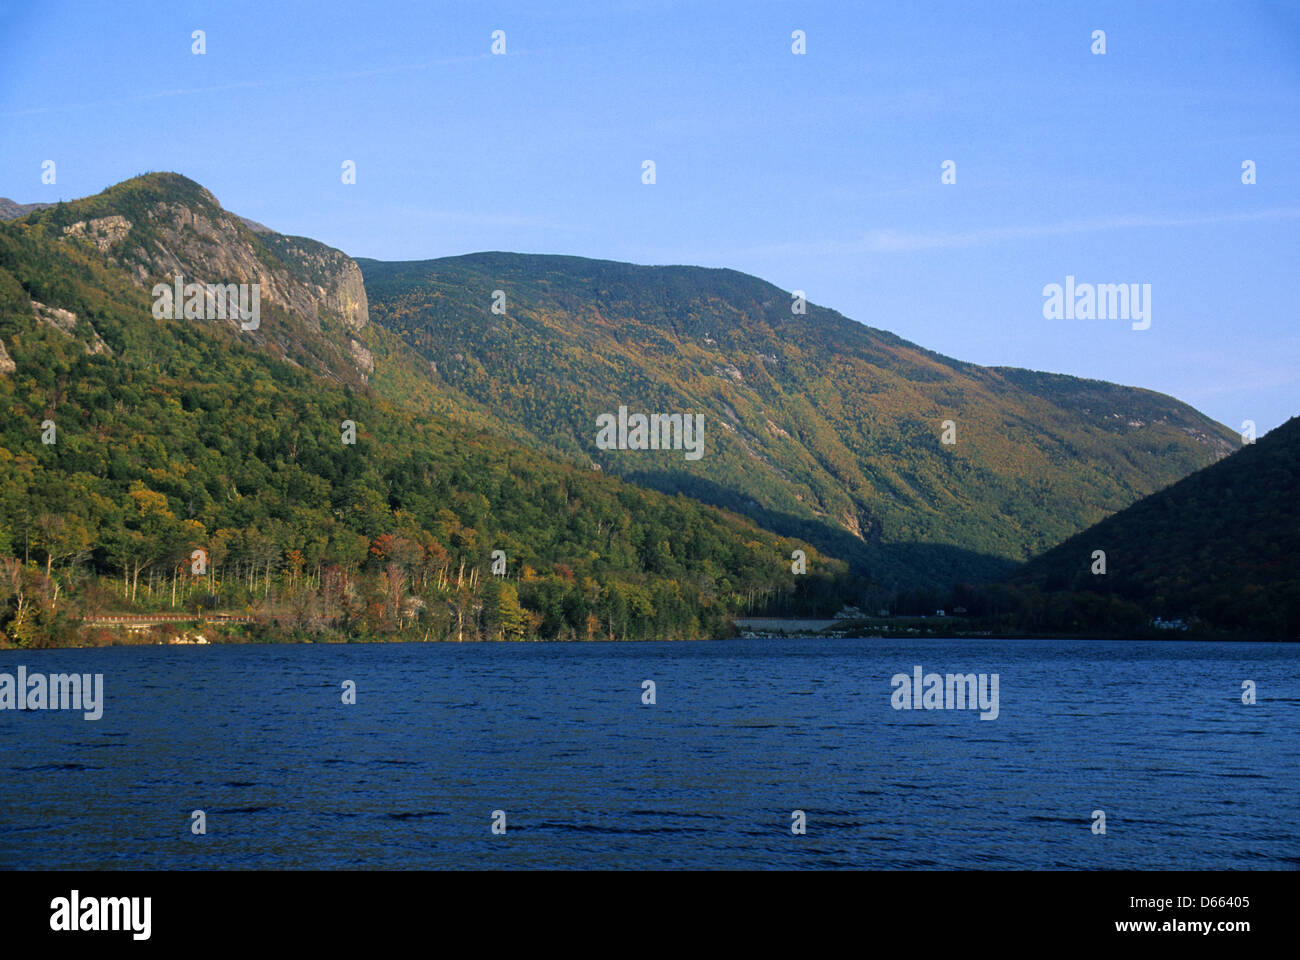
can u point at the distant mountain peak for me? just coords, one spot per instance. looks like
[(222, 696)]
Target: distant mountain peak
[(11, 210)]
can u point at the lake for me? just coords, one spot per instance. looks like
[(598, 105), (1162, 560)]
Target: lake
[(741, 734)]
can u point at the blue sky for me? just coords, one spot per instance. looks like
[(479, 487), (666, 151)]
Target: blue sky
[(818, 172)]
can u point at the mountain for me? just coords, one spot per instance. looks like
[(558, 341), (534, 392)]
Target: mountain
[(815, 425), (9, 210), (475, 431), (162, 463), (1221, 546), (158, 226)]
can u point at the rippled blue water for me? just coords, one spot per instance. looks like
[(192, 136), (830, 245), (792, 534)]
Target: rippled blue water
[(743, 733)]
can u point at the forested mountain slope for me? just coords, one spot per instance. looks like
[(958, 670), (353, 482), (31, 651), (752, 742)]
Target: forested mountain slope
[(130, 441), (134, 438), (814, 424)]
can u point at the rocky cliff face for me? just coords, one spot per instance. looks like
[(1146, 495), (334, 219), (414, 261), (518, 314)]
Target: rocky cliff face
[(325, 283), (65, 321), (313, 301)]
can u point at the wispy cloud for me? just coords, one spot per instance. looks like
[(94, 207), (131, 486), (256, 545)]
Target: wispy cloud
[(244, 85), (907, 241), (885, 241)]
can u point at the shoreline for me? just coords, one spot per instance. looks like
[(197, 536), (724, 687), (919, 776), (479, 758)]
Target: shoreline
[(1150, 636)]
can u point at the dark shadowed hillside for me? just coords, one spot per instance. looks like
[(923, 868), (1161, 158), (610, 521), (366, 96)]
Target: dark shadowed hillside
[(1222, 546)]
